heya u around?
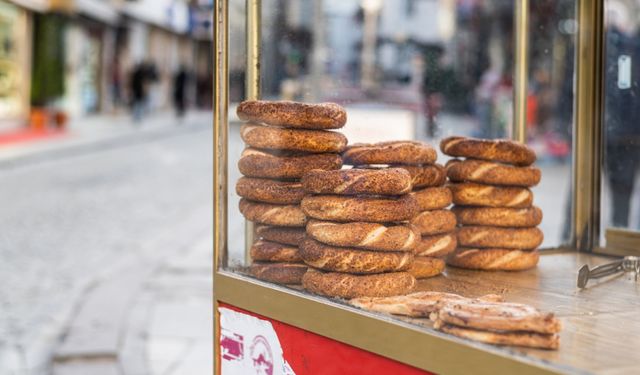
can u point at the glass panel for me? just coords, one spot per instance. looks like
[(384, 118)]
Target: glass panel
[(236, 228), (553, 27), (620, 194), (416, 70)]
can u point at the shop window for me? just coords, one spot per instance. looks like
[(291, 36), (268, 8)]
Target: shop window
[(620, 203)]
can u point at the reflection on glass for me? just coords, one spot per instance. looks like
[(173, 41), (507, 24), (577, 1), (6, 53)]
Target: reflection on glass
[(621, 115), (418, 69), (550, 111)]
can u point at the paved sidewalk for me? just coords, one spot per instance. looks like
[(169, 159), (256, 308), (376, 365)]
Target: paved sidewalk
[(137, 316), (179, 339), (145, 322), (98, 130)]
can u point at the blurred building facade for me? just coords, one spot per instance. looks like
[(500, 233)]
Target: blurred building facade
[(77, 55)]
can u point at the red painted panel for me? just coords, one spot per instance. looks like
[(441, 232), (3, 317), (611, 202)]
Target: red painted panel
[(311, 354)]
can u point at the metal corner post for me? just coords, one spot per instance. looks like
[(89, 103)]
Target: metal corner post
[(220, 134), (220, 129), (520, 71), (252, 82), (588, 124)]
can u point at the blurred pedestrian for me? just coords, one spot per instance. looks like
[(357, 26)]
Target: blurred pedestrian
[(622, 132), (116, 84), (433, 87), (484, 101), (138, 84), (180, 81)]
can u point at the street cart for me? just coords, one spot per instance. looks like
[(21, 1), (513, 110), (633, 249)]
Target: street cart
[(588, 280)]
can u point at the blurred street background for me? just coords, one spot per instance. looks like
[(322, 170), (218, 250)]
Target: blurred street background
[(105, 187), (106, 145)]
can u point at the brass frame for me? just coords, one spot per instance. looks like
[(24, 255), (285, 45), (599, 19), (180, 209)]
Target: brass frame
[(587, 155), (521, 70), (620, 242), (253, 34), (220, 138), (429, 350), (388, 337)]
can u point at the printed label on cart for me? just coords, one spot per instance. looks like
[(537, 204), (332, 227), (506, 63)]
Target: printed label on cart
[(249, 345)]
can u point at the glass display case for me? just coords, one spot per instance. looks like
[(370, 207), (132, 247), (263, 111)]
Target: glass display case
[(557, 74)]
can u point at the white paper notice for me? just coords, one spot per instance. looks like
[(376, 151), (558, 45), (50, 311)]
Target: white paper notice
[(624, 72), (249, 345)]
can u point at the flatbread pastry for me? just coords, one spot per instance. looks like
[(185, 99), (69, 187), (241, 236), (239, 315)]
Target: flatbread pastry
[(498, 316), (524, 339), (415, 305)]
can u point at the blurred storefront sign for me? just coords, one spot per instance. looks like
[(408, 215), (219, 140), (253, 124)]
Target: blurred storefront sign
[(100, 10), (14, 62), (101, 42), (168, 14), (34, 5)]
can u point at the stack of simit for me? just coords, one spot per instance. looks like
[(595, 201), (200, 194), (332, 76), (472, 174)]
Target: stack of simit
[(493, 204), (285, 140), (359, 241), (434, 224)]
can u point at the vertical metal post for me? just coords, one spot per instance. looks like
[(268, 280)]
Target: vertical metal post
[(252, 83), (220, 130), (220, 136), (520, 71), (588, 125)]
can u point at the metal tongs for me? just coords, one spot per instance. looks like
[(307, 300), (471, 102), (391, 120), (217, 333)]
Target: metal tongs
[(626, 264)]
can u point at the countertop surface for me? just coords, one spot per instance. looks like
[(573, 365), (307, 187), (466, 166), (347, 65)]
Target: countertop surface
[(601, 325)]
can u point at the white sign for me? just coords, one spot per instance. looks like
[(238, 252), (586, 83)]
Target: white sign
[(249, 345), (624, 72)]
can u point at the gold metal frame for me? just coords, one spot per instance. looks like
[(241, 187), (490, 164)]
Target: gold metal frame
[(389, 337), (620, 242), (587, 156), (253, 35), (220, 138), (521, 70)]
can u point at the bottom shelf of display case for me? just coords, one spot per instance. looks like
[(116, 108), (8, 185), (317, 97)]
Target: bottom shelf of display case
[(601, 332)]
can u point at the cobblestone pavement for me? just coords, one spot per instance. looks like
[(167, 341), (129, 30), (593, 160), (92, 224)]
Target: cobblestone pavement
[(87, 238)]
